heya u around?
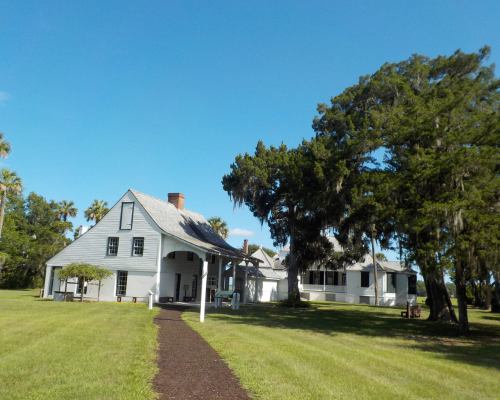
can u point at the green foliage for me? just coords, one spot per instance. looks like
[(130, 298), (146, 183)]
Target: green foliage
[(87, 272), (435, 196), (380, 257), (4, 146), (274, 183), (67, 209), (33, 233), (96, 211), (219, 226)]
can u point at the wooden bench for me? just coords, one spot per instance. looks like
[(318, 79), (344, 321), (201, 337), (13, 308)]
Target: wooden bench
[(411, 311), (167, 299), (134, 298)]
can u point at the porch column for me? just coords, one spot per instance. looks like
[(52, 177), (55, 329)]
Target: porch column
[(219, 280), (234, 276), (204, 273), (245, 287)]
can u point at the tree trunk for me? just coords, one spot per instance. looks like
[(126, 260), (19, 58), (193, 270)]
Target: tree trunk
[(495, 295), (375, 274), (486, 292), (293, 276), (463, 320), (2, 211), (478, 301), (438, 299), (82, 290)]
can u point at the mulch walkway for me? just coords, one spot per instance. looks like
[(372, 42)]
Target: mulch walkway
[(188, 367)]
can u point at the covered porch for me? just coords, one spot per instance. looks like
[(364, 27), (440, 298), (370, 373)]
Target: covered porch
[(191, 275)]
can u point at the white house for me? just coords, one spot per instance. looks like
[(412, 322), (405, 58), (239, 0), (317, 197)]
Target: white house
[(150, 245), (266, 281), (397, 284)]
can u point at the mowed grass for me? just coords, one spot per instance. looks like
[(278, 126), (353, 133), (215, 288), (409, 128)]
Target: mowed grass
[(54, 350), (341, 351)]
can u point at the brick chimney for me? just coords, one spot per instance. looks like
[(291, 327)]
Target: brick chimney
[(177, 199), (245, 246)]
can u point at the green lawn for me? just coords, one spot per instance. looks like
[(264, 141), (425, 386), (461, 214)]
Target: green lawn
[(340, 351), (52, 350)]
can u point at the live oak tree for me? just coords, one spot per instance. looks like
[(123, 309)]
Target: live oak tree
[(437, 121), (273, 183)]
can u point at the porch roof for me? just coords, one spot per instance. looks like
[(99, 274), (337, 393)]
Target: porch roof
[(188, 226)]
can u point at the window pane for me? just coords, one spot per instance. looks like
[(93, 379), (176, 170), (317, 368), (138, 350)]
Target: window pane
[(344, 279), (329, 277), (113, 246), (336, 278), (138, 247), (127, 216)]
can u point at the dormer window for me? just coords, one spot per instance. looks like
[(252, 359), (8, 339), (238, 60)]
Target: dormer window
[(127, 215)]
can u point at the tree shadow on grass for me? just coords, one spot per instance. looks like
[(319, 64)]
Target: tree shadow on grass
[(481, 348)]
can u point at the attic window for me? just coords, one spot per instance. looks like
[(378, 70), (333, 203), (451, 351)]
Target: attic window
[(127, 215)]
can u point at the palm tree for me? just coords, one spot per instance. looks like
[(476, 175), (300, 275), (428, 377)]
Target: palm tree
[(96, 211), (66, 209), (4, 147), (9, 183), (219, 226)]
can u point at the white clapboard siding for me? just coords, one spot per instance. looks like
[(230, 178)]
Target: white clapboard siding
[(92, 246)]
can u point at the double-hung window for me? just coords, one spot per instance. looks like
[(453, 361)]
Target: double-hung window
[(113, 246), (138, 246), (121, 283)]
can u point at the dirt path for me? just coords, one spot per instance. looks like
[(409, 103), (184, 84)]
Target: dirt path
[(188, 367)]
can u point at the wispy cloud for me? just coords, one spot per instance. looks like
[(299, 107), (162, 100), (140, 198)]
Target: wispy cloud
[(240, 232), (4, 97)]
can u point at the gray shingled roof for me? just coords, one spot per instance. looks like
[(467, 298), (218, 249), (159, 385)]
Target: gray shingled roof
[(266, 268), (187, 226)]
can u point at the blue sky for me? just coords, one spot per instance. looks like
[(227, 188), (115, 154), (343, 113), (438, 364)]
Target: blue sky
[(160, 96)]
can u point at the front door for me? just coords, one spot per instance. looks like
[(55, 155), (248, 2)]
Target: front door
[(177, 286), (194, 287)]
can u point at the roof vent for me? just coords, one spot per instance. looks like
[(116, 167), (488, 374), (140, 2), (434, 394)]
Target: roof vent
[(177, 199)]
